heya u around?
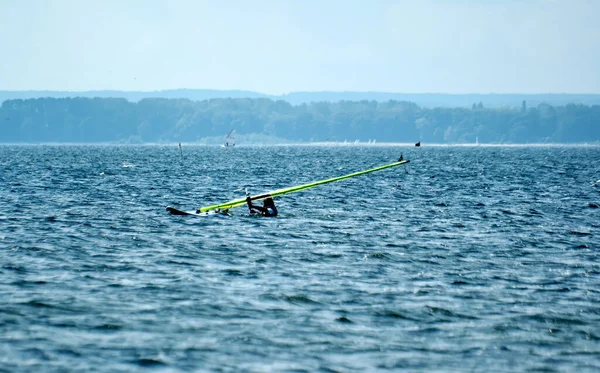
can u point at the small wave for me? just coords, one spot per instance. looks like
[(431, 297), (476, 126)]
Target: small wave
[(556, 290), (439, 311), (16, 268), (108, 327), (180, 262), (551, 319), (395, 245), (67, 324), (68, 351), (428, 261), (233, 272), (37, 353), (328, 255), (26, 283), (578, 233), (376, 256), (426, 330), (298, 299), (393, 315), (589, 336), (149, 362), (38, 304)]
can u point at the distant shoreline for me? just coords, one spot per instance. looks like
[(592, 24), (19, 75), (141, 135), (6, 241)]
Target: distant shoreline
[(308, 144), (264, 121), (424, 100)]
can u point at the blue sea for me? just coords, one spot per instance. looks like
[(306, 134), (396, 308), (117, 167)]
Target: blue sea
[(470, 259)]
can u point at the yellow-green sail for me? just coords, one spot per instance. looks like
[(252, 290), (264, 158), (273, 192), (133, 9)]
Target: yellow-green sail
[(242, 201)]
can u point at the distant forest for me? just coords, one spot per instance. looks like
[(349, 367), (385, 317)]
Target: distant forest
[(158, 120), (424, 100)]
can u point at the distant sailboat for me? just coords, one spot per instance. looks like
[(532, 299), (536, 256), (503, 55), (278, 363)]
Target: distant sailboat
[(229, 139)]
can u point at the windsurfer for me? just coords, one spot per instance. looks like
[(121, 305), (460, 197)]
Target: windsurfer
[(267, 209)]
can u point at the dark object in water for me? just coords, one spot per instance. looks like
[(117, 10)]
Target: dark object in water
[(418, 144)]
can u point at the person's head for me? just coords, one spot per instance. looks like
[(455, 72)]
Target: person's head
[(268, 202)]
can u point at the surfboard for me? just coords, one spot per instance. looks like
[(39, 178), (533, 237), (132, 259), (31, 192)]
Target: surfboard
[(175, 211)]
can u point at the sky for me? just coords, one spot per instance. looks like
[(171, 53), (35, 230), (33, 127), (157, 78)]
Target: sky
[(282, 46)]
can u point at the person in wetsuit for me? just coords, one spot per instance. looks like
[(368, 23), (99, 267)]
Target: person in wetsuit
[(267, 209)]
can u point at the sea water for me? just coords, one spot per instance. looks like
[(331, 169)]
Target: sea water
[(469, 259)]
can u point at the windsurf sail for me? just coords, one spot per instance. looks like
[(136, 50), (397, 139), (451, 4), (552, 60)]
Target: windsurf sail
[(242, 201), (229, 139)]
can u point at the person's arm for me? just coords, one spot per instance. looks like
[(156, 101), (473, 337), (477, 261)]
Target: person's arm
[(254, 208)]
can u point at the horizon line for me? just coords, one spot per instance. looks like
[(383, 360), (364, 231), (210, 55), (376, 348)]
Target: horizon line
[(302, 91)]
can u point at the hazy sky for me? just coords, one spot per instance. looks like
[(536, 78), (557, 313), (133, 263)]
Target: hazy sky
[(279, 46)]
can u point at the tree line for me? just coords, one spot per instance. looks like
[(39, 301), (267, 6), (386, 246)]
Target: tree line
[(157, 120)]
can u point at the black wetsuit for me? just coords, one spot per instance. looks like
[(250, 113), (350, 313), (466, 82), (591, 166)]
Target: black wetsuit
[(270, 211), (264, 211)]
